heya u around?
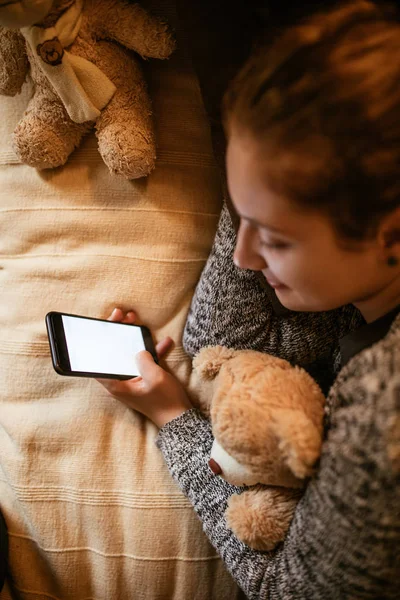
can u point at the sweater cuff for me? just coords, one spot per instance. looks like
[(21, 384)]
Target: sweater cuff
[(187, 429), (185, 443)]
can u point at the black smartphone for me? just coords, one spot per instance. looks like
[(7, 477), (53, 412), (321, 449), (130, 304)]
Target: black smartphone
[(86, 347)]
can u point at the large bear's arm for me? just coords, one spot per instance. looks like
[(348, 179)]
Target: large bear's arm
[(135, 28), (14, 63)]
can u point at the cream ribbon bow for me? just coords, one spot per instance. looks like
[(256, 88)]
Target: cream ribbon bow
[(81, 86)]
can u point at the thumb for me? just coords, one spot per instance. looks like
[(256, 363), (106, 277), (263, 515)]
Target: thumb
[(146, 365)]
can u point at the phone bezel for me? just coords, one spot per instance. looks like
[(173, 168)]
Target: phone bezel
[(59, 350)]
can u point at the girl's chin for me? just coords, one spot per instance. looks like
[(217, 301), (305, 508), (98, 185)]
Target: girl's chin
[(288, 299)]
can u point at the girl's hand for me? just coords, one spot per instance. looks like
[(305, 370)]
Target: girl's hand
[(156, 394)]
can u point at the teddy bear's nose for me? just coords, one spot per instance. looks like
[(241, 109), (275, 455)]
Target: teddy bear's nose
[(214, 466)]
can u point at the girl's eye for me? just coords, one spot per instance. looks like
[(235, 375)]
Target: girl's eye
[(275, 245)]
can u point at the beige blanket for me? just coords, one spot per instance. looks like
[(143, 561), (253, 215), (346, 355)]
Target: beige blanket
[(91, 510)]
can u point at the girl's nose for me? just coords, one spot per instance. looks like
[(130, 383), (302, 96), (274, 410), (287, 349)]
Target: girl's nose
[(246, 254)]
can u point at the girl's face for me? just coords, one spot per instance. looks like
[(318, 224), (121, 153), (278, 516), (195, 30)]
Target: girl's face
[(297, 249)]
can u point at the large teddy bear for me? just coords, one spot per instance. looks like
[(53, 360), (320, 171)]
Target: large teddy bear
[(82, 78), (267, 421)]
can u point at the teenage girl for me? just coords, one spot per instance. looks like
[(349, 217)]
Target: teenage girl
[(313, 159)]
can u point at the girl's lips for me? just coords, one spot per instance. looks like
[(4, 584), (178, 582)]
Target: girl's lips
[(275, 284)]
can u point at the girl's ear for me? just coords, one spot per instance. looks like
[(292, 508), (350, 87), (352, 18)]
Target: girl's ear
[(389, 238), (206, 366)]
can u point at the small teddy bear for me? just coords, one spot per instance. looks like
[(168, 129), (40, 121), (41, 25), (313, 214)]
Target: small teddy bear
[(79, 56), (267, 421)]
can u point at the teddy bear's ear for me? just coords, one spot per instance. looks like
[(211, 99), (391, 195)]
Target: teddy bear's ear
[(299, 440), (208, 362)]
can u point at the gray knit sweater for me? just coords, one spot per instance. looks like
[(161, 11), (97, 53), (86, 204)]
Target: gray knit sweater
[(344, 539)]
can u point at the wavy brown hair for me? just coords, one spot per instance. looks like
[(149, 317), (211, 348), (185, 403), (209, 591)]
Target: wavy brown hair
[(324, 101)]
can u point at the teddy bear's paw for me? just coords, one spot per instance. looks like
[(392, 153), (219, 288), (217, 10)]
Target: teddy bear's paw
[(38, 145), (159, 39), (165, 43), (208, 362), (261, 517), (127, 152)]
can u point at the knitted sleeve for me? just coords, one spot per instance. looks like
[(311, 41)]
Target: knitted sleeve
[(343, 541)]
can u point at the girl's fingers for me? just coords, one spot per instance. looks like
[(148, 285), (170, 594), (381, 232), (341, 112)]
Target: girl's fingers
[(117, 387), (109, 384), (163, 346), (118, 316), (106, 384)]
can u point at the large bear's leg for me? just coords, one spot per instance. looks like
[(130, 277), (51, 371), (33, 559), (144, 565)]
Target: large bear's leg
[(125, 128), (46, 136)]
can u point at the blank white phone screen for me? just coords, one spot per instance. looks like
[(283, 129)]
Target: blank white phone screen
[(101, 347)]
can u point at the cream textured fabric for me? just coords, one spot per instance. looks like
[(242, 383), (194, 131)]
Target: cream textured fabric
[(91, 509)]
